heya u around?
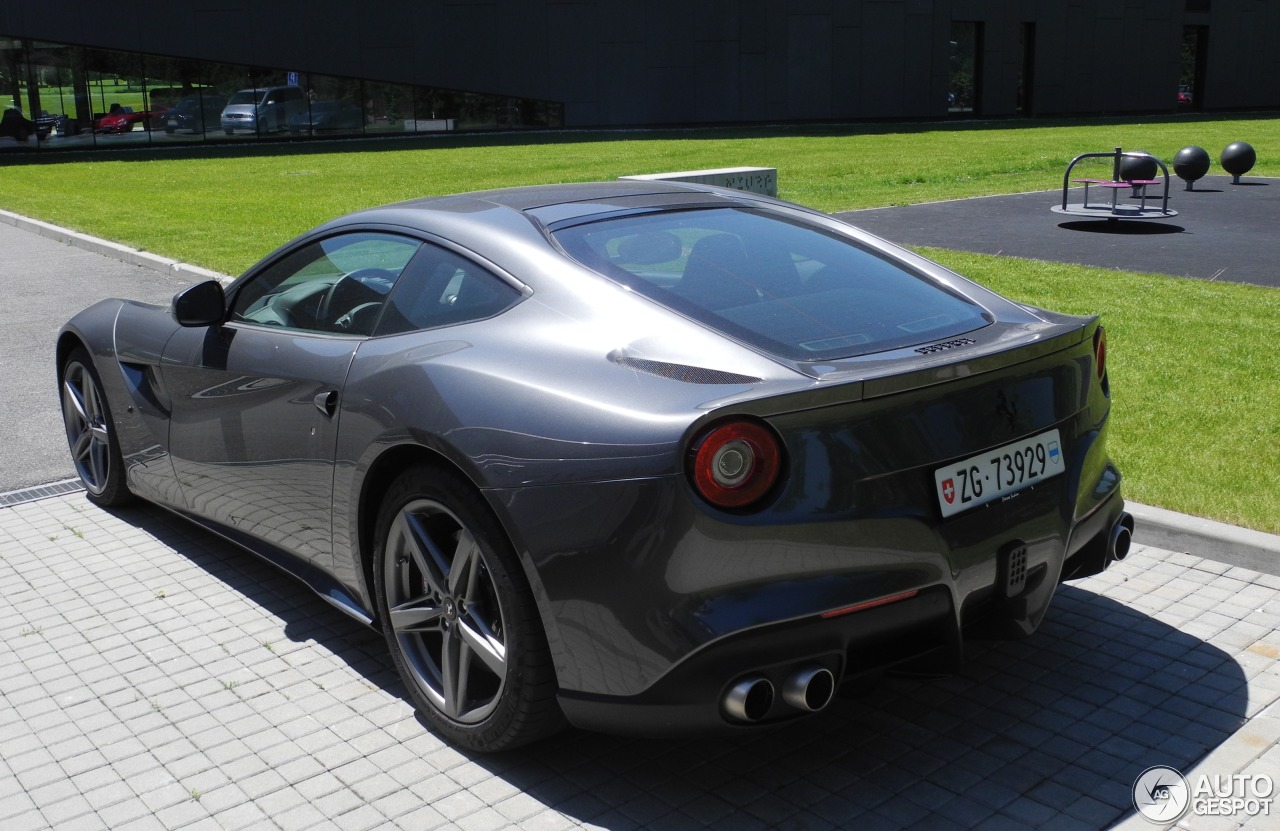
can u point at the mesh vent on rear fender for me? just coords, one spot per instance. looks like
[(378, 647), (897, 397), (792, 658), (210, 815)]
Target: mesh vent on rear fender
[(683, 372)]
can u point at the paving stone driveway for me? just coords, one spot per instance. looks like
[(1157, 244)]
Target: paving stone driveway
[(153, 676)]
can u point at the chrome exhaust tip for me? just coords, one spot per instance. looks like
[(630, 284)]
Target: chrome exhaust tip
[(1121, 537), (749, 700), (810, 689)]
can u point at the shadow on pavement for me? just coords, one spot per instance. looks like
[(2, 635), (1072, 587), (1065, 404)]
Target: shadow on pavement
[(1050, 731), (1135, 228)]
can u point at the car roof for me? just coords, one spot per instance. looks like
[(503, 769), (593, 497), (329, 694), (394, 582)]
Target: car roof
[(541, 196), (551, 204)]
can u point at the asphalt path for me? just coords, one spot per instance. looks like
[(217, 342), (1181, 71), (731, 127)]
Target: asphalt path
[(1223, 231), (44, 283)]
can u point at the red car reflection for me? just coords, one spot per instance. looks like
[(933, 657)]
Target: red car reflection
[(123, 119)]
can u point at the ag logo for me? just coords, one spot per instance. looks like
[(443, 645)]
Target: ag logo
[(1161, 794)]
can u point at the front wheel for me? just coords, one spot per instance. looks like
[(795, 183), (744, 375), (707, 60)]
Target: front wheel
[(460, 620), (91, 433)]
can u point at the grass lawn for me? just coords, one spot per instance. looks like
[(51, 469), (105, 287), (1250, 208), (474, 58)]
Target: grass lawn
[(1195, 375), (226, 207), (1195, 386)]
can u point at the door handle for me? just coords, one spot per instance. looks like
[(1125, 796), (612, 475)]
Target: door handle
[(327, 403)]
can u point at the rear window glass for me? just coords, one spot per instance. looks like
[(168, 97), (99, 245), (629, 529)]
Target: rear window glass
[(788, 288)]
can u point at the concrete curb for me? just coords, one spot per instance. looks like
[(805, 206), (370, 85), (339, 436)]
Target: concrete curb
[(115, 250), (1206, 538)]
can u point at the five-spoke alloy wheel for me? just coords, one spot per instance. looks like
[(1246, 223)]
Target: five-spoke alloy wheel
[(90, 435), (460, 620)]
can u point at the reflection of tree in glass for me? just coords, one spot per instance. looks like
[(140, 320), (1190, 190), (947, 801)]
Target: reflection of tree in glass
[(963, 65)]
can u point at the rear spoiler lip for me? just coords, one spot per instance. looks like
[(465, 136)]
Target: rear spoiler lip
[(1009, 349), (859, 380)]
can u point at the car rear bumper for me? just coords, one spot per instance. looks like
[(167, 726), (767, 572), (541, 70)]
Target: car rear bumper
[(648, 601), (921, 628), (695, 694)]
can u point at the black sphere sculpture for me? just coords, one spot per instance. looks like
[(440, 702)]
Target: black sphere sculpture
[(1191, 163), (1137, 164), (1238, 158)]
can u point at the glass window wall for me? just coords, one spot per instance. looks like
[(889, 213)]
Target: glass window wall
[(966, 68), (61, 96)]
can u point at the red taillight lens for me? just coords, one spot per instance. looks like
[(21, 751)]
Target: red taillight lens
[(736, 463), (1100, 352)]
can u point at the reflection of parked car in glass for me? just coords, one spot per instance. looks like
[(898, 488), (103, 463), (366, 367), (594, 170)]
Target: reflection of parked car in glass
[(122, 119), (15, 125), (262, 110), (196, 113), (45, 123), (327, 115)]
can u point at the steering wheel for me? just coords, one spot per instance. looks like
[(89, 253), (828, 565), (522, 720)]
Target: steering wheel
[(353, 292), (359, 318)]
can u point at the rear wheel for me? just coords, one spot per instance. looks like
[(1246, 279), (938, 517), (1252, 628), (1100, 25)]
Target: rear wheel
[(91, 433), (459, 617)]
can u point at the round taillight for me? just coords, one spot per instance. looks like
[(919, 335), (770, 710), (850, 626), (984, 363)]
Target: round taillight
[(1100, 351), (735, 464)]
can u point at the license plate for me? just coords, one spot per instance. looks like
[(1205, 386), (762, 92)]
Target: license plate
[(997, 473), (173, 122)]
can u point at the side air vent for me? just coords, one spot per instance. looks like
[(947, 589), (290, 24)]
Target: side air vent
[(945, 345), (682, 372)]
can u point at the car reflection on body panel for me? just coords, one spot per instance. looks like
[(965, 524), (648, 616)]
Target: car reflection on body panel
[(636, 456)]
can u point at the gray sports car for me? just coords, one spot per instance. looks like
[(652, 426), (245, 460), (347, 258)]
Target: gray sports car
[(639, 456)]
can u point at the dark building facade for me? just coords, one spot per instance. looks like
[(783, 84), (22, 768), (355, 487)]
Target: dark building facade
[(453, 64)]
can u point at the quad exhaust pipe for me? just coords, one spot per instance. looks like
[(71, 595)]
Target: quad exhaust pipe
[(1121, 537), (808, 689), (749, 700)]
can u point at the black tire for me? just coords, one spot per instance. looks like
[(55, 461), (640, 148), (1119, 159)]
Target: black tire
[(91, 434), (461, 623)]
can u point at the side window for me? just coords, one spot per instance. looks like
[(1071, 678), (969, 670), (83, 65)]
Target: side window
[(336, 285), (441, 288)]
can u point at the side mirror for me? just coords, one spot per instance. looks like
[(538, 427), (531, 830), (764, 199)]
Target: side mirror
[(203, 304)]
